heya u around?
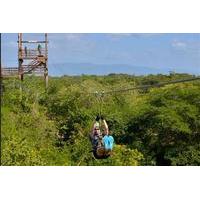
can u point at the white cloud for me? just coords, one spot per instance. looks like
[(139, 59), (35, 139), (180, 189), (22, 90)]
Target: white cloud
[(71, 44), (117, 36), (146, 34), (73, 36), (179, 44), (65, 36), (120, 34)]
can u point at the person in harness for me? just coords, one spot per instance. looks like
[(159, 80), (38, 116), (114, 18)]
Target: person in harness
[(102, 142), (107, 140), (95, 135)]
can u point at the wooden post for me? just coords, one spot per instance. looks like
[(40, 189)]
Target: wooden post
[(46, 63), (20, 59)]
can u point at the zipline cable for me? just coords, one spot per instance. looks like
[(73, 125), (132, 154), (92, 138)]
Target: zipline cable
[(101, 93), (146, 86), (100, 102)]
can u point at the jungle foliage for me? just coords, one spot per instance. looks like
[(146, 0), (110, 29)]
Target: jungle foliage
[(156, 126)]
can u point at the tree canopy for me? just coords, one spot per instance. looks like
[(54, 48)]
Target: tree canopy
[(154, 126)]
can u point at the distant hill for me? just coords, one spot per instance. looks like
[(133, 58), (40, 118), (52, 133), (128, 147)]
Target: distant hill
[(101, 69)]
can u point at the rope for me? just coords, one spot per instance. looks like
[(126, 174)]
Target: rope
[(99, 96)]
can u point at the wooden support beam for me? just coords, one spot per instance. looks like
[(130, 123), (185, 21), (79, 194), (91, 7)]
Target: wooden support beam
[(32, 41)]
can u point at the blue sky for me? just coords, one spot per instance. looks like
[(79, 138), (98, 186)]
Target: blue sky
[(104, 53)]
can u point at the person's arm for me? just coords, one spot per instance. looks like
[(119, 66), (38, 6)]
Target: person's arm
[(93, 126), (105, 126)]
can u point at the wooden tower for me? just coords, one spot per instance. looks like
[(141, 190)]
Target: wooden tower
[(33, 57)]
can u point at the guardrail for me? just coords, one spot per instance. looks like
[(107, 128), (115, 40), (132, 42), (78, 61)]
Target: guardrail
[(9, 71), (32, 53)]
